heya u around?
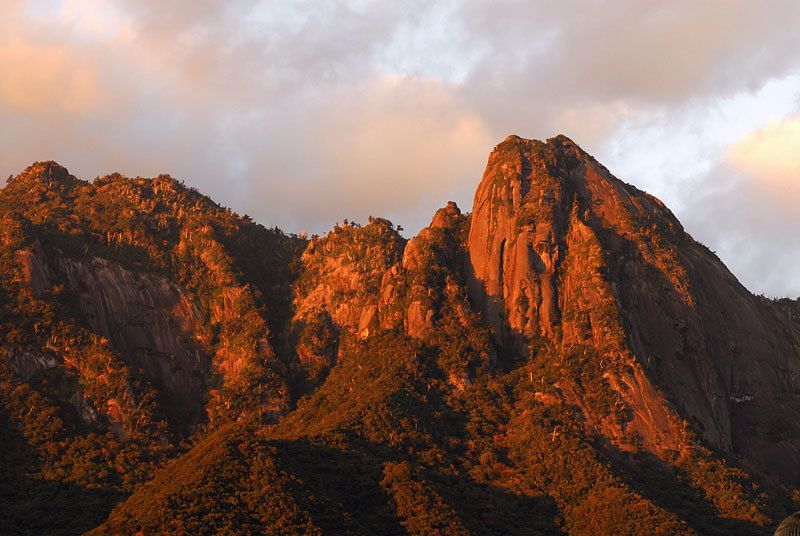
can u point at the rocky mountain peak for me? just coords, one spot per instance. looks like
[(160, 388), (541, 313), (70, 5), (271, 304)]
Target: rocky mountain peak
[(48, 173), (48, 169), (522, 215), (560, 250), (41, 183), (447, 216)]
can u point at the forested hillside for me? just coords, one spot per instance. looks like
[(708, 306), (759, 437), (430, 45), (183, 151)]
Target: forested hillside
[(564, 359)]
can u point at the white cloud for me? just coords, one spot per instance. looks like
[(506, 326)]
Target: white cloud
[(756, 239), (95, 19)]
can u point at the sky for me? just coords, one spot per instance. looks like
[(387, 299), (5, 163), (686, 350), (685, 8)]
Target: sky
[(302, 114)]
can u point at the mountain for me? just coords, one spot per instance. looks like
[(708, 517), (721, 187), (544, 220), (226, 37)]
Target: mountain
[(560, 249), (564, 359), (134, 314)]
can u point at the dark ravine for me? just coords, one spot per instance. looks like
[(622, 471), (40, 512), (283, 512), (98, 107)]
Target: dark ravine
[(565, 359)]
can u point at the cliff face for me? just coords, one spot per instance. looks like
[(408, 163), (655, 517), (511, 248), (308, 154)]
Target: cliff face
[(348, 275), (430, 259), (150, 320), (516, 232), (560, 249), (368, 279), (153, 323)]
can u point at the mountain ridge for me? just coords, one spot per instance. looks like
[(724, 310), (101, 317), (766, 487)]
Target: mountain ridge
[(564, 350)]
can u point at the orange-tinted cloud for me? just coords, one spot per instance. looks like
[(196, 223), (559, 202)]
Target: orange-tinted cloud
[(771, 157), (44, 79), (395, 146)]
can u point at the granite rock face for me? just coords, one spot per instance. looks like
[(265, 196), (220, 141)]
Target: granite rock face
[(369, 278), (561, 249), (156, 299), (150, 320), (350, 278)]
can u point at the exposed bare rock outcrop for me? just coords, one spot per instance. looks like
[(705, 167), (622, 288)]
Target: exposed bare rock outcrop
[(33, 270), (352, 282), (515, 240), (344, 273), (86, 411), (182, 293), (151, 321), (419, 320), (791, 308), (428, 258), (26, 363), (363, 279), (559, 249)]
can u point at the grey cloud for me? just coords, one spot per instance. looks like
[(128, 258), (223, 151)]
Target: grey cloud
[(545, 57), (640, 50), (757, 241), (386, 148)]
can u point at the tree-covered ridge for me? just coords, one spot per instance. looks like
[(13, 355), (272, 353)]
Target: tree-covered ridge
[(385, 445), (215, 377), (84, 405), (238, 273)]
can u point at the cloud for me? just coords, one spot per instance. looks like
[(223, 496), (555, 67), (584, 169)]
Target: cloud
[(95, 19), (659, 52), (770, 156), (757, 240), (391, 147), (46, 80), (545, 64), (399, 139), (750, 209), (745, 207), (302, 113)]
